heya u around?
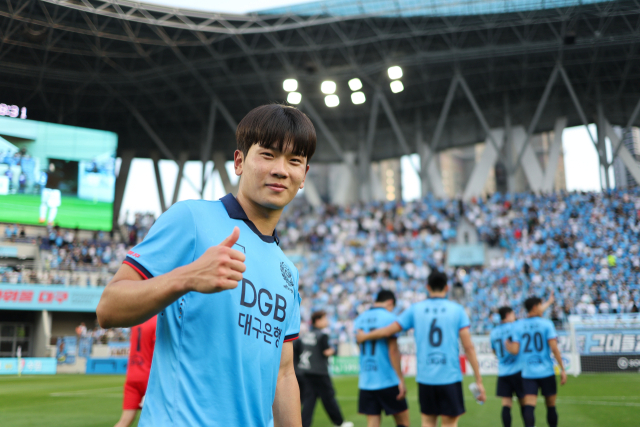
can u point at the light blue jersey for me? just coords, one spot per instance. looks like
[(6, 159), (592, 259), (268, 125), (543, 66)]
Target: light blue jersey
[(217, 356), (533, 334), (508, 364), (376, 371), (437, 323)]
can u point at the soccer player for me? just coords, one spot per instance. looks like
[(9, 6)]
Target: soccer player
[(226, 295), (438, 324), (509, 366), (142, 342), (381, 382), (534, 338), (50, 198), (314, 367)]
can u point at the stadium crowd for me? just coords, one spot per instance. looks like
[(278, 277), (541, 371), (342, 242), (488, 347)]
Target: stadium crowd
[(584, 246)]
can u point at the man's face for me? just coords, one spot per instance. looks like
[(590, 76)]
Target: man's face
[(322, 322), (270, 178), (511, 317)]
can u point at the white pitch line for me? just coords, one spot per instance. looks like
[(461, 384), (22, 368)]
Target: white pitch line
[(598, 403)]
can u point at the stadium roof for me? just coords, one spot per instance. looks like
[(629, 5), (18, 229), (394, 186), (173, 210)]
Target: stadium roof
[(158, 76)]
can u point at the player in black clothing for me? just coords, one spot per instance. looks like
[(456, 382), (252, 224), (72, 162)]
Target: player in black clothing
[(314, 367)]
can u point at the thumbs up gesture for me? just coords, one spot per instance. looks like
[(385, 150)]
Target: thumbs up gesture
[(219, 268)]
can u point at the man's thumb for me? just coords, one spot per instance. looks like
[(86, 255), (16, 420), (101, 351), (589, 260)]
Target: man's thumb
[(232, 239)]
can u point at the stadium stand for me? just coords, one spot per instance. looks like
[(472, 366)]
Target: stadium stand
[(583, 245)]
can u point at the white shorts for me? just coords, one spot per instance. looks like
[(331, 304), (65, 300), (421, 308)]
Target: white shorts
[(51, 197)]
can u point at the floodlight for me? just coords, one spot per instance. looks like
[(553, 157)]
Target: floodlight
[(328, 87), (290, 85), (358, 98), (355, 84), (294, 98), (332, 100), (394, 72), (396, 86)]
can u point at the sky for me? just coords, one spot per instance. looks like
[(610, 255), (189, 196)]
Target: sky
[(242, 6), (581, 168)]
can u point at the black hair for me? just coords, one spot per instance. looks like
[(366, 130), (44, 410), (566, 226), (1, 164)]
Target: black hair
[(317, 315), (386, 295), (531, 302), (437, 281), (279, 127), (504, 311)]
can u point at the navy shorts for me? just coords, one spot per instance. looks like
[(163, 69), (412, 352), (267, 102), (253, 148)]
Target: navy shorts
[(372, 402), (547, 386), (508, 385), (441, 399)]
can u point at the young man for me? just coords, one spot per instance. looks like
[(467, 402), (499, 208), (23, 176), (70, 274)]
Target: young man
[(225, 294), (509, 366), (314, 367), (438, 324), (534, 338), (381, 382), (142, 342)]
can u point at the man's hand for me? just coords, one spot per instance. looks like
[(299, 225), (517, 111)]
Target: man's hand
[(361, 336), (563, 377), (403, 390), (482, 397), (218, 269)]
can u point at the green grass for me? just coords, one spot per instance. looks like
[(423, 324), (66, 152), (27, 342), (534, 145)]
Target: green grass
[(95, 401), (72, 213)]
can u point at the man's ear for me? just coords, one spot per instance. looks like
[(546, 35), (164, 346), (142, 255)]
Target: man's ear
[(238, 162), (305, 177)]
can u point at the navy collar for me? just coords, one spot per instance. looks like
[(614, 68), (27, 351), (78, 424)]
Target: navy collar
[(235, 211)]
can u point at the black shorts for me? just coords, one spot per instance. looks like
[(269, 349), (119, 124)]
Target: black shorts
[(509, 385), (372, 402), (441, 399), (547, 386)]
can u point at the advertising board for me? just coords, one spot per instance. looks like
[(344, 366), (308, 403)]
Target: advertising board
[(53, 298), (28, 366)]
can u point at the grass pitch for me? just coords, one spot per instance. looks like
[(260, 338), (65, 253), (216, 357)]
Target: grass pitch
[(95, 401), (72, 213)]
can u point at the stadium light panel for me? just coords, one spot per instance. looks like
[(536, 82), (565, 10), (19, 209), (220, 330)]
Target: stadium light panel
[(396, 86), (332, 101), (294, 98), (358, 98), (290, 85), (328, 87), (394, 72), (355, 84)]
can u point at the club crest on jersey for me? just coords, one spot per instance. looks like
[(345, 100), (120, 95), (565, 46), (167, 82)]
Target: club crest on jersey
[(286, 275)]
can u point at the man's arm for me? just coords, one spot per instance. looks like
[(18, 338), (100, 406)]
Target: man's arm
[(286, 405), (379, 333), (470, 352), (512, 347), (128, 300), (553, 344), (327, 350), (395, 357), (547, 303)]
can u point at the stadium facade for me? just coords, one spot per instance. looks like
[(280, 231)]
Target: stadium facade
[(174, 83)]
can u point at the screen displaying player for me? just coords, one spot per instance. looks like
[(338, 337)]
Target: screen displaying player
[(56, 175)]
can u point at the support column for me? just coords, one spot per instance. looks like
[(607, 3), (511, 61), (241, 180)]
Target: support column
[(602, 148), (430, 172), (530, 163), (311, 193), (487, 161), (121, 184), (155, 156), (623, 153), (41, 334), (364, 169), (219, 163), (554, 155), (182, 159), (343, 182)]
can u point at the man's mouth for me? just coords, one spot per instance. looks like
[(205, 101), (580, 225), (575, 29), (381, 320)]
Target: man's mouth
[(277, 187)]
